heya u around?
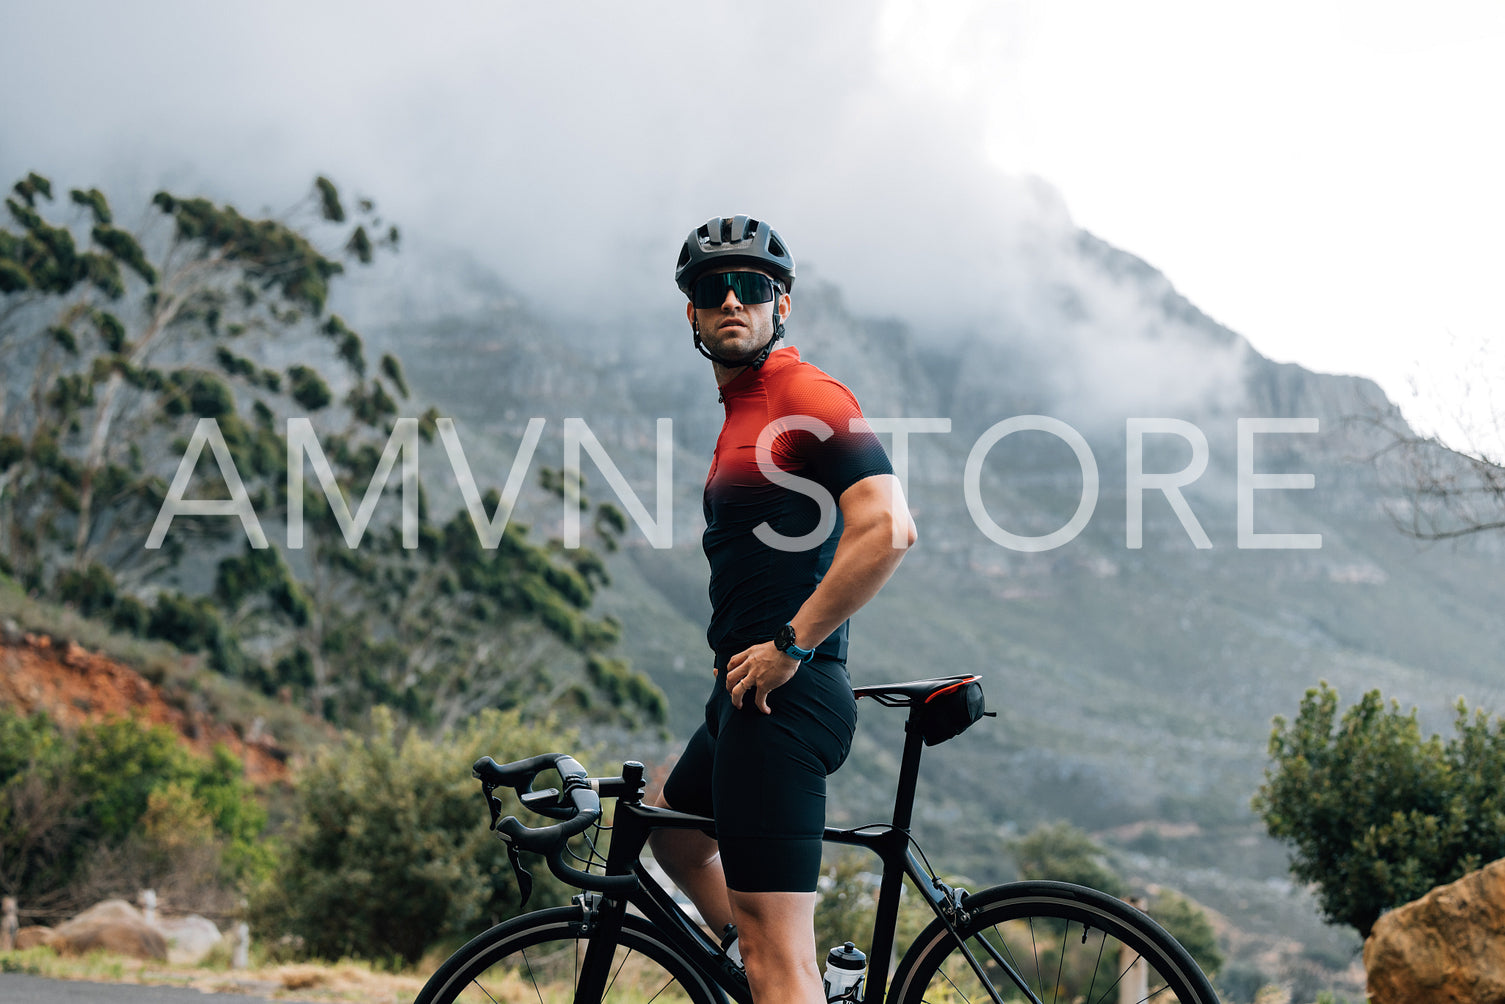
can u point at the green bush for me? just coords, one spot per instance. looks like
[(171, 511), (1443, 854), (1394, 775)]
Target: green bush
[(391, 849), (1376, 814), (1062, 853), (123, 788), (1189, 925)]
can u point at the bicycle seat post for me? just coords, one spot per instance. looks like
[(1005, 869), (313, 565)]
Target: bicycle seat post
[(909, 771)]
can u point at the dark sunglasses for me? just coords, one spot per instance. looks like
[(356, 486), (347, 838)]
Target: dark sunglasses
[(709, 291)]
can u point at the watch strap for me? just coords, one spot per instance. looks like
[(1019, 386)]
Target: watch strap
[(784, 642)]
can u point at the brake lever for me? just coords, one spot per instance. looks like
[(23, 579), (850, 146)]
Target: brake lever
[(493, 803), (524, 879)]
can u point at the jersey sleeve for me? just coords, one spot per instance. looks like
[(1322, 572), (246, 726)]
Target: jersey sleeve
[(850, 453)]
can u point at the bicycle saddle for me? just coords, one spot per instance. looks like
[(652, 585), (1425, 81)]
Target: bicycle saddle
[(906, 695)]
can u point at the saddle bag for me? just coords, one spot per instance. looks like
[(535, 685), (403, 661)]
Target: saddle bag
[(948, 713)]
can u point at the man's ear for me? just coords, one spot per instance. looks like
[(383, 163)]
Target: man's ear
[(785, 305), (690, 312)]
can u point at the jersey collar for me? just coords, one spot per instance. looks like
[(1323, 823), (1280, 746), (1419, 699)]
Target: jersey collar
[(777, 360)]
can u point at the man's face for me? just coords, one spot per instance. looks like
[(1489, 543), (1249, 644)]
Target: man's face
[(736, 330)]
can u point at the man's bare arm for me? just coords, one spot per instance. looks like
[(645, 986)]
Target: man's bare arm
[(876, 532)]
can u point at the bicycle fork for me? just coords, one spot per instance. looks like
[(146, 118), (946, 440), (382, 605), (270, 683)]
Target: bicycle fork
[(601, 925)]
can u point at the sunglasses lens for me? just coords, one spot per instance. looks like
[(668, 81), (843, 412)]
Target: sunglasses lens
[(749, 287)]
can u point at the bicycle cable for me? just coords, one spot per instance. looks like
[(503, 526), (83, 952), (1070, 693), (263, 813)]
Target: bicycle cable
[(590, 840)]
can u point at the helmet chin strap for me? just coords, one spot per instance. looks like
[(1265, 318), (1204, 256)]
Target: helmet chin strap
[(756, 359)]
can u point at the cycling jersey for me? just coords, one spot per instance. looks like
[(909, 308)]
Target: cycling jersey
[(804, 419), (763, 777)]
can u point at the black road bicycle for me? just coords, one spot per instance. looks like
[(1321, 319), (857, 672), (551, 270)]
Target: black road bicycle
[(625, 940)]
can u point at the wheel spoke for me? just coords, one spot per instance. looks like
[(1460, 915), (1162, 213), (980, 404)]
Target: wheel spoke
[(1097, 962), (531, 979), (540, 959), (1101, 946), (1060, 963)]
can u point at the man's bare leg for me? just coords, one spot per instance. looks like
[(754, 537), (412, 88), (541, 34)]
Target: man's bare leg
[(693, 861), (777, 933)]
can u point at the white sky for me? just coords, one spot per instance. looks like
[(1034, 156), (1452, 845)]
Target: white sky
[(1323, 177), (1327, 179)]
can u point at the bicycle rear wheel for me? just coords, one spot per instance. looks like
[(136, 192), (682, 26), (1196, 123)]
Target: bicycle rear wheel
[(1066, 942), (536, 958)]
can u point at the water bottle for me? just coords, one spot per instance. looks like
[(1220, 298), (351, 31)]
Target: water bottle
[(846, 967), (730, 945)]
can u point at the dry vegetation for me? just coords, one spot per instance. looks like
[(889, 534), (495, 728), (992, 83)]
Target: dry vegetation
[(342, 981)]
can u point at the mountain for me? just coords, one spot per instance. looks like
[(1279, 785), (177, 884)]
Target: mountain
[(1135, 685)]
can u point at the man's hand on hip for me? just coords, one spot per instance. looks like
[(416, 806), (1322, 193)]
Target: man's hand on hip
[(759, 670)]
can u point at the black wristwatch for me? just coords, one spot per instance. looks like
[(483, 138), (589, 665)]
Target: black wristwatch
[(784, 642)]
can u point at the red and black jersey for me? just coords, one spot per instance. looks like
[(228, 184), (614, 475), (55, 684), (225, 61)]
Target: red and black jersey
[(802, 422)]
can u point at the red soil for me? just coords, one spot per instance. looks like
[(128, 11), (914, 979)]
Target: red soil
[(75, 686)]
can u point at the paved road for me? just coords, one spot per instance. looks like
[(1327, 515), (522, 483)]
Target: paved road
[(17, 989)]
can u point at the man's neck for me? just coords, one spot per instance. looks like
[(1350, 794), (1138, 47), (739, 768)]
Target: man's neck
[(726, 374)]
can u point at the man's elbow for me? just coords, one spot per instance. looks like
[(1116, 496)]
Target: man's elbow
[(904, 532)]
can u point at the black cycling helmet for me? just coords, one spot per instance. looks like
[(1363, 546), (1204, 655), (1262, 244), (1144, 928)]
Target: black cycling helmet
[(733, 240)]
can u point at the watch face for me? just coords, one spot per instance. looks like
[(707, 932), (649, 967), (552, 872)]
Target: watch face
[(785, 638)]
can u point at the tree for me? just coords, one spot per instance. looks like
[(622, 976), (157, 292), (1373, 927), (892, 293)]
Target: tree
[(120, 346), (127, 336), (1455, 488), (1377, 814), (1452, 492)]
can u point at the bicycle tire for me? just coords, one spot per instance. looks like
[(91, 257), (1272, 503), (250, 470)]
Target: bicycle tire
[(1064, 940), (535, 959)]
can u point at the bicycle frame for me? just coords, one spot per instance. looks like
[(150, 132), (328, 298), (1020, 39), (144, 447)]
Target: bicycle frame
[(890, 842)]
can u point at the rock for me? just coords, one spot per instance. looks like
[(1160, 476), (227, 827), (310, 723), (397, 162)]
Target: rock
[(111, 926), (31, 937), (108, 910), (189, 939), (1446, 948)]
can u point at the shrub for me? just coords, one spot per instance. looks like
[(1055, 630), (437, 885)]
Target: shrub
[(391, 849), (118, 804), (1376, 814)]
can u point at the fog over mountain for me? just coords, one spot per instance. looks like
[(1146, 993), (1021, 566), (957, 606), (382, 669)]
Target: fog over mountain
[(544, 164), (551, 145)]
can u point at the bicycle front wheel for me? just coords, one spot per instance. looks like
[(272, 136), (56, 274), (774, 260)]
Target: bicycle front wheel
[(536, 959), (1062, 942)]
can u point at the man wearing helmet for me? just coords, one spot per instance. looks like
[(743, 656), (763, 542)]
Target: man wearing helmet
[(805, 522)]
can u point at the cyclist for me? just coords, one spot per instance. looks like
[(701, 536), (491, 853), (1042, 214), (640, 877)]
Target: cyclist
[(805, 522)]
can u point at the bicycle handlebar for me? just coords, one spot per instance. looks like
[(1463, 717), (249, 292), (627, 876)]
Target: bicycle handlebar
[(579, 806)]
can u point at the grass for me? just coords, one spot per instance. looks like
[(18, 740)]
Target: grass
[(323, 982)]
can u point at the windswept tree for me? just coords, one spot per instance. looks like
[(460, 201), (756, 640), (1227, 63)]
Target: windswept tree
[(1451, 486), (115, 341), (175, 361)]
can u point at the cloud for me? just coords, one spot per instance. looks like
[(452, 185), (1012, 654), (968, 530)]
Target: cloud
[(571, 148)]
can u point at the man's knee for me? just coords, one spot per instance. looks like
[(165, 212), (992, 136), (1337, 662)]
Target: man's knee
[(776, 927)]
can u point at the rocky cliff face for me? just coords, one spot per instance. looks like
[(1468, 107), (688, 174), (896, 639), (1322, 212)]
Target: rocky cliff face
[(1446, 948)]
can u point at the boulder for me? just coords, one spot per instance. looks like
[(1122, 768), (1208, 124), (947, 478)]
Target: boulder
[(1446, 948), (31, 937), (111, 926), (189, 939)]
